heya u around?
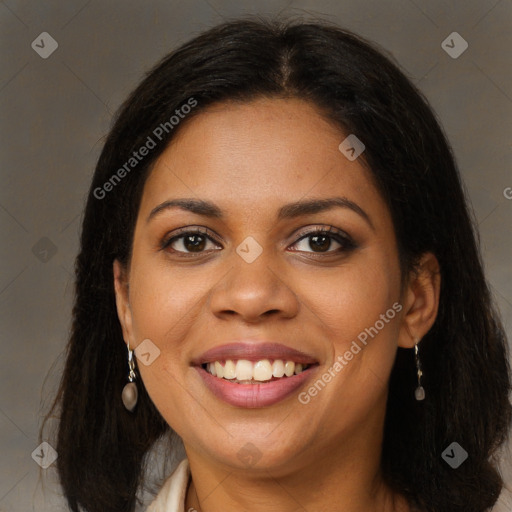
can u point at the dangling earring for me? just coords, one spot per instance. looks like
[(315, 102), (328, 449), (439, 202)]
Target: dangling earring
[(419, 393), (130, 393)]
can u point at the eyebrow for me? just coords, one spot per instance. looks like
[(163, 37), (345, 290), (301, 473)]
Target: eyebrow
[(288, 211)]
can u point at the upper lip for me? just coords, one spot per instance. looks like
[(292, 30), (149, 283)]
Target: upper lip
[(255, 351)]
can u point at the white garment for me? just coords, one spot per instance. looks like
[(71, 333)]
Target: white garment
[(171, 497)]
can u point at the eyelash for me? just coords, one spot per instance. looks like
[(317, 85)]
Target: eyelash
[(346, 242)]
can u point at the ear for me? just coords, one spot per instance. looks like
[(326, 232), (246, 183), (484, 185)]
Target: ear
[(124, 312), (420, 300)]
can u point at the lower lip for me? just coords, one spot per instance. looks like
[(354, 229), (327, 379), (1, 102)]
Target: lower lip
[(254, 395)]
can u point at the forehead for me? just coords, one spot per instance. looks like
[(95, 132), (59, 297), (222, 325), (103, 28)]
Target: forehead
[(258, 154)]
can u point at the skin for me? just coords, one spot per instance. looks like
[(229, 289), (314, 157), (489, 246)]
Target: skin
[(321, 456)]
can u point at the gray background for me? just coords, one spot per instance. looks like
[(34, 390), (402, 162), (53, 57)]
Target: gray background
[(56, 111)]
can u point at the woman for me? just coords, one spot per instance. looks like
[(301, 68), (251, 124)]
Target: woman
[(278, 266)]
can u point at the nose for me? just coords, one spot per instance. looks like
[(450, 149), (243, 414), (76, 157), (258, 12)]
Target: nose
[(254, 291)]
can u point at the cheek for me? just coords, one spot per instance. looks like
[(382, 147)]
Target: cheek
[(351, 298), (163, 302), (354, 311), (164, 307)]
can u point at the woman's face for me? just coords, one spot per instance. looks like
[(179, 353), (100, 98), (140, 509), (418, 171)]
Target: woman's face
[(258, 273)]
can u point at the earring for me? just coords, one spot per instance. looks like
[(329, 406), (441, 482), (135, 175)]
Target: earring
[(419, 393), (130, 393)]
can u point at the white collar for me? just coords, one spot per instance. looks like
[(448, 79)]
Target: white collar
[(171, 497)]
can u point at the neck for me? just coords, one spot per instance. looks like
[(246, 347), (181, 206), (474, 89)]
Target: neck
[(346, 478)]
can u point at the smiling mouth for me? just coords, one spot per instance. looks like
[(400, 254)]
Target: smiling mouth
[(243, 371)]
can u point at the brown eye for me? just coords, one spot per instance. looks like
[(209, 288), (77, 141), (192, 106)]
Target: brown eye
[(317, 243), (320, 243), (190, 242), (194, 243), (322, 240)]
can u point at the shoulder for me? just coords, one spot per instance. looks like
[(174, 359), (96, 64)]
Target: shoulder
[(171, 497)]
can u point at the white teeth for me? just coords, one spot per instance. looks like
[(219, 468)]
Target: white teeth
[(289, 368), (278, 368), (246, 371), (229, 370), (262, 370), (219, 370)]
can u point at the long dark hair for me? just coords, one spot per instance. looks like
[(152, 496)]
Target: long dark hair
[(102, 447)]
